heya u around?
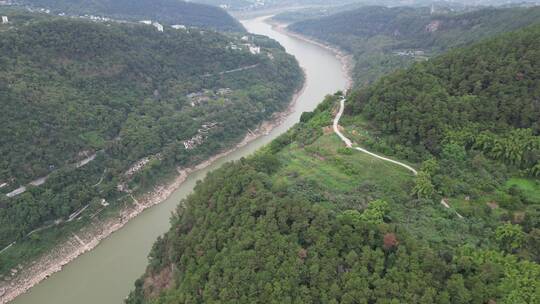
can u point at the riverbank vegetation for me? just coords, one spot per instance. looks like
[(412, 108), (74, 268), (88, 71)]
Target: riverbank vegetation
[(306, 220), (384, 39), (98, 110)]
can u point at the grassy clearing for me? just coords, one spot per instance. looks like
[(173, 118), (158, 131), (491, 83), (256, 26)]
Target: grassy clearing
[(339, 179), (514, 196), (342, 177), (529, 188)]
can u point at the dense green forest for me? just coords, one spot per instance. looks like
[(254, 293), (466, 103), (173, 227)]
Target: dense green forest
[(115, 96), (485, 97), (165, 11), (383, 39), (306, 220)]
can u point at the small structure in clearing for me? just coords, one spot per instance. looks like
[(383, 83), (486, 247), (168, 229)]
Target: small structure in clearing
[(179, 27), (158, 26), (199, 138), (198, 98)]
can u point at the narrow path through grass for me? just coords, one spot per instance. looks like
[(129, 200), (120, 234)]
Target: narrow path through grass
[(349, 143)]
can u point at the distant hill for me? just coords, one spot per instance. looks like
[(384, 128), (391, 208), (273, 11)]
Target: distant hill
[(84, 102), (383, 39), (165, 11), (313, 12)]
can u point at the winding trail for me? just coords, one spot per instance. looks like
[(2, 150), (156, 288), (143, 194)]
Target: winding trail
[(349, 143)]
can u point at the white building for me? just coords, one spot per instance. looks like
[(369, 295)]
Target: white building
[(147, 22), (179, 27), (5, 20), (254, 50), (158, 26)]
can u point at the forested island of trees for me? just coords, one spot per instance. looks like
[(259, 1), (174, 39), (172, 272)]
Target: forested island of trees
[(306, 220), (165, 11), (383, 39), (95, 111)]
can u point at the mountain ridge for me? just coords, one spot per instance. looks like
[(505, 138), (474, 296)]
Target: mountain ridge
[(169, 12)]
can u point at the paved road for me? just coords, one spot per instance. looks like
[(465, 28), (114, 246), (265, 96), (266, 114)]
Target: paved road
[(349, 143), (249, 67), (40, 181)]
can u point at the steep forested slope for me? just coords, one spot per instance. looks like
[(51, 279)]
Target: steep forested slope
[(165, 11), (243, 237), (488, 90), (100, 109), (306, 220), (383, 39)]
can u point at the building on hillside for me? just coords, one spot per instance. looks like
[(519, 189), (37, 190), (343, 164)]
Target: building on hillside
[(179, 27), (224, 91), (147, 22), (254, 50), (158, 26), (5, 20)]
